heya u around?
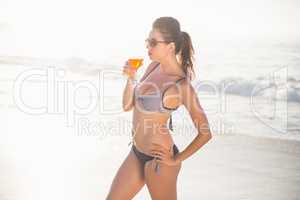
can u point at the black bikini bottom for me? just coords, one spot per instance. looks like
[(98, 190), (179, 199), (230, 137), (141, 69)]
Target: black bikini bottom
[(143, 158)]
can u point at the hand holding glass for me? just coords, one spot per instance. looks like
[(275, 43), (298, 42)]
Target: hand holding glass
[(132, 65)]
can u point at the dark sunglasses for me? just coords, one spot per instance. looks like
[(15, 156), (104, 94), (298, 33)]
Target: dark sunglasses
[(153, 42)]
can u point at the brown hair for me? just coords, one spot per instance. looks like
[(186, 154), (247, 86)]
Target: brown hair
[(170, 30)]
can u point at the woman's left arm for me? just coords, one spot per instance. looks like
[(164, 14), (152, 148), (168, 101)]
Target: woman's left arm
[(190, 100)]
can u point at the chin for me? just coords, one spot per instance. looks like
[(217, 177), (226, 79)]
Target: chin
[(151, 58)]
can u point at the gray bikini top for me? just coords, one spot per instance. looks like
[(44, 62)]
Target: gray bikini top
[(154, 102)]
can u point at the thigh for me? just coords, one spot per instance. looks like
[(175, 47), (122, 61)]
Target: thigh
[(128, 180), (162, 185)]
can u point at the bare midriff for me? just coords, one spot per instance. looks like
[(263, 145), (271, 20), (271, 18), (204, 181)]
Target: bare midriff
[(151, 128)]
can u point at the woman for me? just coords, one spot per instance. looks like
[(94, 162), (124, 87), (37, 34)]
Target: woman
[(154, 159)]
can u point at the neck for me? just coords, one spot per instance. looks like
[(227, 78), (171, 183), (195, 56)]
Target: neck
[(171, 66)]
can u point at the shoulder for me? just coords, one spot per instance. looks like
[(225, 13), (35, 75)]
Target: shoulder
[(189, 97), (183, 88), (185, 84), (186, 89)]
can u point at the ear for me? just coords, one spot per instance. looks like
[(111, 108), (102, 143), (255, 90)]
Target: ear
[(172, 46)]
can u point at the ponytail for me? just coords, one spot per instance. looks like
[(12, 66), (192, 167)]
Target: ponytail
[(171, 31), (187, 55)]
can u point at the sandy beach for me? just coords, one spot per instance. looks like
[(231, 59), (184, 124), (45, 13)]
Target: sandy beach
[(49, 161)]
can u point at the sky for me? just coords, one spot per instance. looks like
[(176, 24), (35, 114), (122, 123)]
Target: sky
[(96, 29)]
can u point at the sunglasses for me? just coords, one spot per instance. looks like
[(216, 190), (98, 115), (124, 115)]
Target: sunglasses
[(153, 42)]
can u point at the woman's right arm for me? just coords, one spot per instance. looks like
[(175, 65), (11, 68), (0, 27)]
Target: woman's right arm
[(128, 95)]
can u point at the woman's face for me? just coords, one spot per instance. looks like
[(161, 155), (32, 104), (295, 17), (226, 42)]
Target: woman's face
[(157, 48)]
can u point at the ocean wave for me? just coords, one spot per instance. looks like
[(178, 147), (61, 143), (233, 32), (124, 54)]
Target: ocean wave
[(278, 88)]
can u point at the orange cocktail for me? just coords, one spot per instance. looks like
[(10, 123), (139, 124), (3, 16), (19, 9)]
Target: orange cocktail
[(135, 63)]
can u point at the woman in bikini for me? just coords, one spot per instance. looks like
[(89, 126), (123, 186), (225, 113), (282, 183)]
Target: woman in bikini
[(154, 159)]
